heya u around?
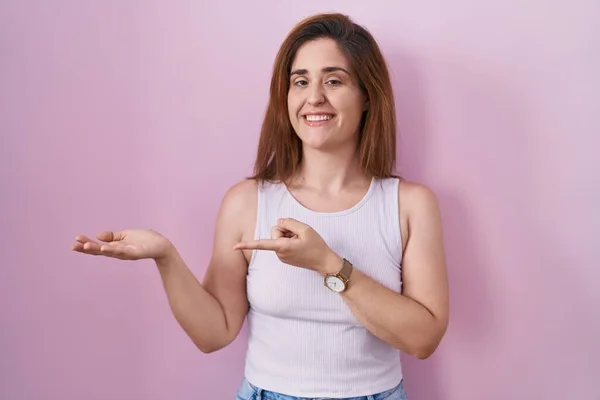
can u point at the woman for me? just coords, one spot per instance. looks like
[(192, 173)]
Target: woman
[(337, 263)]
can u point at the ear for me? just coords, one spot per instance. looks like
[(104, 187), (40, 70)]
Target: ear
[(366, 99)]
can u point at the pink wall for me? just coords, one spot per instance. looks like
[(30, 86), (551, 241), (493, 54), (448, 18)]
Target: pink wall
[(139, 114)]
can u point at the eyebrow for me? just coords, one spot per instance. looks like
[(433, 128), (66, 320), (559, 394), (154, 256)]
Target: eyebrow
[(326, 69)]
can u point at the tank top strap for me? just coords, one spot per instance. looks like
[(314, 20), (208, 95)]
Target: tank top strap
[(270, 196), (385, 200)]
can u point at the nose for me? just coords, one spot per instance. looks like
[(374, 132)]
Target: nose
[(316, 95)]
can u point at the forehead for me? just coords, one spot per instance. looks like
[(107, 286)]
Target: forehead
[(318, 54)]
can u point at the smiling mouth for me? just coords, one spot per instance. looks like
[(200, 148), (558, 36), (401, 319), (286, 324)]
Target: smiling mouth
[(317, 119)]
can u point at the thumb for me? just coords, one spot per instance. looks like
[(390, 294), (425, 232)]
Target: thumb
[(292, 225), (110, 236)]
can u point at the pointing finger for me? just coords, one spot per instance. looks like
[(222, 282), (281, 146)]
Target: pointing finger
[(261, 244)]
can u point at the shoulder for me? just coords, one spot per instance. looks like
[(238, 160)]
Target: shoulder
[(240, 200), (240, 195), (242, 190), (237, 213), (416, 194), (417, 201)]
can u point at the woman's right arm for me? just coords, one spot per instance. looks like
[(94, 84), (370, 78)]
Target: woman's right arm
[(212, 313)]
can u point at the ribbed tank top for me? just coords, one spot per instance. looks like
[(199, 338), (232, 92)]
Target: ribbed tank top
[(304, 340)]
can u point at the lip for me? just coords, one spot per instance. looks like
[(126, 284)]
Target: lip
[(317, 113)]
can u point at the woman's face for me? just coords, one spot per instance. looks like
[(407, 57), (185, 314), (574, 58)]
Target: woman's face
[(325, 103)]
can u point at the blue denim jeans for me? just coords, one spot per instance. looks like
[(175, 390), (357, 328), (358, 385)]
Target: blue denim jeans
[(248, 391)]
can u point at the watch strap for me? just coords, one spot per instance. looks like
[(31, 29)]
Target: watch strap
[(346, 270)]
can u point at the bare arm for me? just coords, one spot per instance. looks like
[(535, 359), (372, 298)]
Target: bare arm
[(416, 320), (212, 313)]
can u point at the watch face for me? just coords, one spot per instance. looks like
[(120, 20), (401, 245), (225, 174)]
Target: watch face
[(334, 283)]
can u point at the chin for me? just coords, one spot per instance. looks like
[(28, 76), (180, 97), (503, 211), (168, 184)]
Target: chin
[(322, 146), (314, 141)]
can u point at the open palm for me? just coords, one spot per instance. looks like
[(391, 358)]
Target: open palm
[(131, 244)]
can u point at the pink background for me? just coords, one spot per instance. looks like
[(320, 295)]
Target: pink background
[(119, 114)]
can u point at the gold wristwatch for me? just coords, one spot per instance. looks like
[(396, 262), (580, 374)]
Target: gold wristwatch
[(339, 282)]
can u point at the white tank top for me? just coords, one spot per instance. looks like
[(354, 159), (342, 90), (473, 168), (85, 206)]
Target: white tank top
[(303, 339)]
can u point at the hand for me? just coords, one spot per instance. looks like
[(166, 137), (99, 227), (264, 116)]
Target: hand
[(297, 244), (131, 244)]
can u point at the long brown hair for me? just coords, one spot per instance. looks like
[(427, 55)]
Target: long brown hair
[(280, 149)]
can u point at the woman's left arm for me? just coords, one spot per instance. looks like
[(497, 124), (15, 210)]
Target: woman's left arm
[(416, 320)]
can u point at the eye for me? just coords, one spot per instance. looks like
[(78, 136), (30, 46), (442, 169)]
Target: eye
[(301, 82), (334, 82)]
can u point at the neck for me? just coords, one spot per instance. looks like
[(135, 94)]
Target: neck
[(329, 172)]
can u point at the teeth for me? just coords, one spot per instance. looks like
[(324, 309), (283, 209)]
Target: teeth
[(316, 118)]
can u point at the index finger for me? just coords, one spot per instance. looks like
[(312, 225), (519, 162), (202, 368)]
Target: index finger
[(261, 244)]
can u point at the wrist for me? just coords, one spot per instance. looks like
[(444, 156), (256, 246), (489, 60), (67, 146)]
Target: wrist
[(332, 264), (167, 257)]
